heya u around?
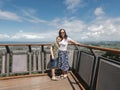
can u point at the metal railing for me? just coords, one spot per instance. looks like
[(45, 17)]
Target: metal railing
[(96, 70), (23, 59)]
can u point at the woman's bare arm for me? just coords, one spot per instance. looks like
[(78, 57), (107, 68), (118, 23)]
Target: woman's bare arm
[(51, 51), (74, 42)]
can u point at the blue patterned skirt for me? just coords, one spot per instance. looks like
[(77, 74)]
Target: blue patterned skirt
[(63, 61)]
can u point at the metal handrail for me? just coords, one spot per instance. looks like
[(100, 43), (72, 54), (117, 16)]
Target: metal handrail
[(100, 48), (81, 45), (25, 44)]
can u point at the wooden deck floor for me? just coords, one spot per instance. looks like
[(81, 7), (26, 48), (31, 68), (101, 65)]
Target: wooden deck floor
[(39, 83)]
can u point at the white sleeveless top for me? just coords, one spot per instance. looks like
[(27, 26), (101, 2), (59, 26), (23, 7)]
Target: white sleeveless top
[(63, 44)]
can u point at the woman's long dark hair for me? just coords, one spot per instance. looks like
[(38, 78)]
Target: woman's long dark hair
[(61, 35)]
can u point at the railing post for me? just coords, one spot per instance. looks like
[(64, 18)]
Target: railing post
[(29, 47), (94, 75), (3, 64), (76, 57), (7, 60), (8, 57), (42, 54), (39, 61), (34, 61), (30, 57)]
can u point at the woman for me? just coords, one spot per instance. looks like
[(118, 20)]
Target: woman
[(63, 56)]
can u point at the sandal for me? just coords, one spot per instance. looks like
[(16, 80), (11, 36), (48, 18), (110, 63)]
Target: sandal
[(65, 76), (61, 75), (54, 79)]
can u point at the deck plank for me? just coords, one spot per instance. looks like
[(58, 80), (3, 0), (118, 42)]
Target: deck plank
[(39, 83)]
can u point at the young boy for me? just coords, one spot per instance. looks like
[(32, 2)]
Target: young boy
[(54, 54)]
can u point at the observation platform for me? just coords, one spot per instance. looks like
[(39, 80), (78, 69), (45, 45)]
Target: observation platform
[(27, 66)]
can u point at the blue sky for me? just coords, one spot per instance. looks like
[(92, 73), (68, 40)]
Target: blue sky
[(40, 20)]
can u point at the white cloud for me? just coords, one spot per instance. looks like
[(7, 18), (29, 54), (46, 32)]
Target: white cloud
[(99, 29), (99, 11), (6, 15), (105, 29), (72, 26), (72, 4), (29, 16), (30, 36), (4, 36), (26, 15), (95, 27), (25, 35)]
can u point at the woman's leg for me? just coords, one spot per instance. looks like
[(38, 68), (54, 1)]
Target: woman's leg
[(53, 72), (53, 75), (54, 65)]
